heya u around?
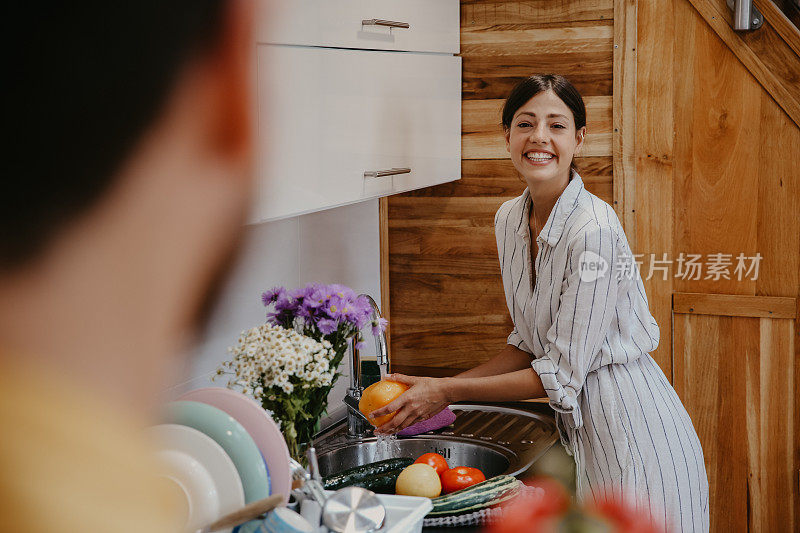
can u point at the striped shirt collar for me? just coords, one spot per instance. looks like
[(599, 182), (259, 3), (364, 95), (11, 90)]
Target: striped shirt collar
[(551, 232)]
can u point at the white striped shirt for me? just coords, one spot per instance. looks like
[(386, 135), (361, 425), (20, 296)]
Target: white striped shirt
[(582, 314)]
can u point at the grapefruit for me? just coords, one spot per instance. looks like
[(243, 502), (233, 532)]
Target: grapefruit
[(378, 395)]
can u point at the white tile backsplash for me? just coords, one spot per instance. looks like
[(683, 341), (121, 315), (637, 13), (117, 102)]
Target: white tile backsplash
[(335, 246)]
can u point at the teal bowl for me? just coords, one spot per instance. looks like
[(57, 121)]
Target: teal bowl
[(233, 438)]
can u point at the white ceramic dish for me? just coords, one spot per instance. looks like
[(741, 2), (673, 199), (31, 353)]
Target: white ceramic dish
[(234, 439), (200, 470)]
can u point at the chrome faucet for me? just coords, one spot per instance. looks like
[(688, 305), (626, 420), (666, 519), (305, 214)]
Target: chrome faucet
[(357, 425)]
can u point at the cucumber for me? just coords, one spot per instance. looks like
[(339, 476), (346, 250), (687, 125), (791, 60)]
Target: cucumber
[(380, 483), (478, 496), (359, 473), (503, 497)]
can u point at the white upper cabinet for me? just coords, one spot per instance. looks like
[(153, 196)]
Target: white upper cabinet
[(407, 25), (342, 125)]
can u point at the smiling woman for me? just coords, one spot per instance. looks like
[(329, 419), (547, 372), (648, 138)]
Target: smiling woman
[(583, 331), (520, 108)]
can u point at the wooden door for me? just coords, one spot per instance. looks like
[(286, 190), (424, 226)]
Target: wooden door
[(735, 371), (717, 166)]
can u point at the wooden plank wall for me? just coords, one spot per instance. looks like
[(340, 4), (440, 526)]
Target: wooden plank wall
[(447, 306)]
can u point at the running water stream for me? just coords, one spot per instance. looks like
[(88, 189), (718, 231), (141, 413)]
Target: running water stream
[(386, 447)]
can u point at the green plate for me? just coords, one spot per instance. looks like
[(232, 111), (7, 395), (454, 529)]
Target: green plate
[(233, 438)]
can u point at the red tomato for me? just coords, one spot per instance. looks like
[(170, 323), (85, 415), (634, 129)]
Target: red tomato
[(460, 477), (438, 462)]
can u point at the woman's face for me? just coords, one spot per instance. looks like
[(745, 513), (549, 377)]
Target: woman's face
[(542, 139)]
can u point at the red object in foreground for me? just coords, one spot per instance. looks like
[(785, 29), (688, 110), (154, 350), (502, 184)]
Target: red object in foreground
[(538, 513), (623, 517), (548, 509), (459, 478), (438, 462)]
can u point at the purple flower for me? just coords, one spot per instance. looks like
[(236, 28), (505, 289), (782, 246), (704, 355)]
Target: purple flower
[(362, 313), (285, 303), (325, 308), (326, 325), (280, 318), (316, 295), (379, 326), (305, 312), (272, 295), (337, 308), (342, 291), (360, 345)]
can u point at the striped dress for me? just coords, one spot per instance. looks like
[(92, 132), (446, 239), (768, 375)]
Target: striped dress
[(582, 314)]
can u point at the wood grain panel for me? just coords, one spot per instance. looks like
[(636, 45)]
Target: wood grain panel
[(718, 213), (789, 33), (734, 305), (383, 235), (497, 178), (494, 41), (443, 241), (653, 202), (731, 374), (714, 158), (494, 77), (463, 295), (778, 198), (482, 133), (624, 115), (466, 265), (458, 335), (496, 57), (765, 54), (537, 11), (431, 371)]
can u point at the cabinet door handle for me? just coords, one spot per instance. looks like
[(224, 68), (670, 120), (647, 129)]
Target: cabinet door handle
[(380, 22), (389, 172)]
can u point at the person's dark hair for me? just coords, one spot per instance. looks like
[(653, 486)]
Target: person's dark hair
[(84, 81), (533, 85)]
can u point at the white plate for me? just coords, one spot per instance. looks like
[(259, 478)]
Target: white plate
[(199, 470)]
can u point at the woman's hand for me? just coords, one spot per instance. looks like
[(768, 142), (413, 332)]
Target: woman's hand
[(424, 398)]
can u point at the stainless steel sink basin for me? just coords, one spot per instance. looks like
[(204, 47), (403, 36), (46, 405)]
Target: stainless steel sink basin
[(458, 452), (498, 440)]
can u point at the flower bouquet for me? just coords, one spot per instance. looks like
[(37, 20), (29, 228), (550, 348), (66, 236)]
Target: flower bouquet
[(290, 364)]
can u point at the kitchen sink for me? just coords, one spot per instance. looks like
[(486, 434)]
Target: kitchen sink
[(458, 452), (495, 439)]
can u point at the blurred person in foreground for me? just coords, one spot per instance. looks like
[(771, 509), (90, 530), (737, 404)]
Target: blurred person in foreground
[(125, 183)]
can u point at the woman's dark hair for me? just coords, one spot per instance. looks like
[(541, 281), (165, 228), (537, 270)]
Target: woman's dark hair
[(84, 81), (533, 85)]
